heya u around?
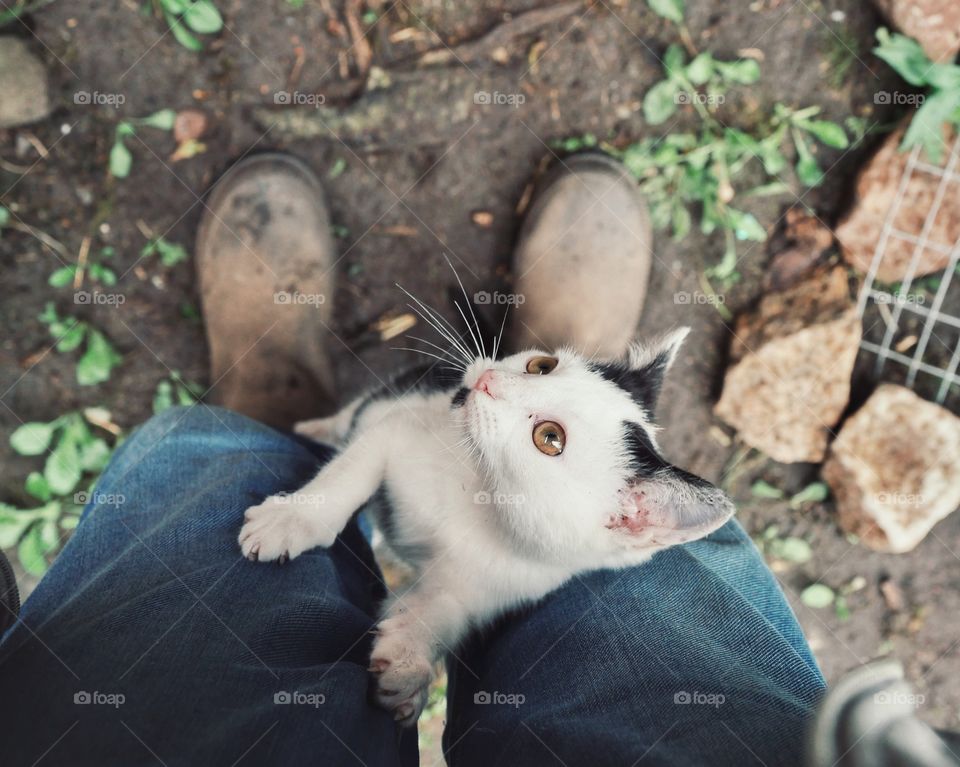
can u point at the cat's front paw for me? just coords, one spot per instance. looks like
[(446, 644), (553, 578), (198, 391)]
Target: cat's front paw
[(402, 670), (279, 529)]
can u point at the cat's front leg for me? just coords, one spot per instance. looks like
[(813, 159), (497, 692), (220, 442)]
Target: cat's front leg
[(414, 634), (285, 525)]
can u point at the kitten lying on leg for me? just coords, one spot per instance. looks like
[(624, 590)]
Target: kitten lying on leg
[(499, 488)]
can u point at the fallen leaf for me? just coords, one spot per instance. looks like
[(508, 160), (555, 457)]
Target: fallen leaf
[(482, 218), (190, 124), (189, 148)]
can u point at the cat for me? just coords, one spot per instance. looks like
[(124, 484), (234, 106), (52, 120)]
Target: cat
[(497, 480)]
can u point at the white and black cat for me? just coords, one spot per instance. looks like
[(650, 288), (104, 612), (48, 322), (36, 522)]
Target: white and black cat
[(500, 483)]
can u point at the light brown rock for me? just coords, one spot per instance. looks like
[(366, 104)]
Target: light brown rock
[(23, 84), (793, 360), (876, 190), (894, 469), (934, 23)]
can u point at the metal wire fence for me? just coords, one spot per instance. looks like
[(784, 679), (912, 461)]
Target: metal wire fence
[(918, 332)]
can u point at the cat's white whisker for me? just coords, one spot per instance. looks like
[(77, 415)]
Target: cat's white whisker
[(460, 362), (437, 323), (478, 340), (499, 336), (443, 333), (425, 353)]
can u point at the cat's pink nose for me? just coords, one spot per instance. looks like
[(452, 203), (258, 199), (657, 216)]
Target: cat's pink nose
[(484, 381)]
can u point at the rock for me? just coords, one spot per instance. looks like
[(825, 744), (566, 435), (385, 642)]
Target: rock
[(797, 251), (793, 360), (23, 84), (876, 190), (934, 23), (893, 469)]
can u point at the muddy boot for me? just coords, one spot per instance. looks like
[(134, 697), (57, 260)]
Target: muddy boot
[(265, 260), (583, 260)]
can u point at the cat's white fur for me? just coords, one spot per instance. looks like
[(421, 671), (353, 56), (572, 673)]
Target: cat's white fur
[(487, 521)]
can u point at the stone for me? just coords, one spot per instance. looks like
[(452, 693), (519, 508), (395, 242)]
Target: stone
[(23, 84), (935, 24), (797, 250), (894, 469), (859, 233), (793, 358)]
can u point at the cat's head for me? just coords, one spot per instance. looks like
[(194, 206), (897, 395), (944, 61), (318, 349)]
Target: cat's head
[(569, 448)]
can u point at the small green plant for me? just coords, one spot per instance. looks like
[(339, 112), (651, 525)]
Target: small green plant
[(189, 18), (170, 253), (576, 143), (75, 456), (815, 492), (18, 8), (94, 268), (121, 160), (942, 103), (819, 596), (175, 391), (700, 169), (789, 549), (337, 169), (99, 357)]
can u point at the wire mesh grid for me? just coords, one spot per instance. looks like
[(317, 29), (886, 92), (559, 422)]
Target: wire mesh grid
[(918, 320)]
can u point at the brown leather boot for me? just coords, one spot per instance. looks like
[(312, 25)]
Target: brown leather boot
[(265, 260), (583, 260)]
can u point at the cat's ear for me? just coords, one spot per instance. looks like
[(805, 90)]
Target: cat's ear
[(641, 371), (669, 506)]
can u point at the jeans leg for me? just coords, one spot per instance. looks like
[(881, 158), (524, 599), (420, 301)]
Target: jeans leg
[(694, 658), (152, 637)]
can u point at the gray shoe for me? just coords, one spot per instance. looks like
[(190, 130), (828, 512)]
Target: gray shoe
[(265, 260), (583, 260)]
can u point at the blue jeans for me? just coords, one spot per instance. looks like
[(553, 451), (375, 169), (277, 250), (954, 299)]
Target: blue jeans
[(152, 640)]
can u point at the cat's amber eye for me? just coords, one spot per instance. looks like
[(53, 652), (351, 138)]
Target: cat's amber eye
[(541, 365), (549, 437)]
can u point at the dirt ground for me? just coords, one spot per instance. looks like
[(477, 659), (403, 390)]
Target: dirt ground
[(418, 158)]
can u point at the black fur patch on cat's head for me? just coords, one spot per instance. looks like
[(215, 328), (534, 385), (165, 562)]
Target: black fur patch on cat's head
[(643, 385), (641, 372), (645, 461), (460, 397)]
